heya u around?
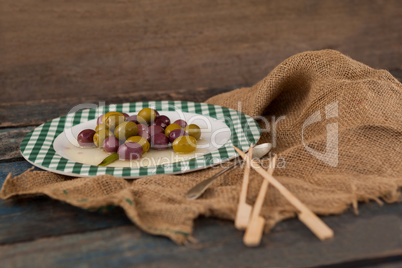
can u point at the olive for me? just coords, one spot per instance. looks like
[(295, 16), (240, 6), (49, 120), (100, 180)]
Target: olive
[(181, 123), (125, 116), (185, 144), (141, 141), (100, 127), (171, 127), (159, 141), (154, 129), (111, 144), (147, 114), (107, 114), (85, 138), (145, 135), (174, 134), (130, 151), (113, 120), (193, 130), (162, 121), (100, 136), (132, 118), (142, 128), (99, 120), (125, 130)]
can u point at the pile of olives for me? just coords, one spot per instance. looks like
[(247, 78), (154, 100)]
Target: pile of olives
[(132, 136)]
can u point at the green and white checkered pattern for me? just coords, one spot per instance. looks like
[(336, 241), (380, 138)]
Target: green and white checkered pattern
[(37, 146)]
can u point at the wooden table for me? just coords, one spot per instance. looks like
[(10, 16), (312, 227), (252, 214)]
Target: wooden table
[(56, 55)]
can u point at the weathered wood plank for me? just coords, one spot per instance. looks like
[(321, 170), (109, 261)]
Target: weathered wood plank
[(368, 236), (60, 49), (33, 228), (34, 218), (36, 112), (11, 139), (387, 262)]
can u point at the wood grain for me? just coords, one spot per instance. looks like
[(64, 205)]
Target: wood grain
[(34, 218), (59, 49), (13, 137), (36, 112), (48, 231), (288, 245)]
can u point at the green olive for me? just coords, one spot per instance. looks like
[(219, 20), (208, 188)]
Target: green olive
[(193, 130), (114, 120), (147, 114), (170, 128), (185, 144), (100, 136), (141, 141), (100, 127), (107, 114), (126, 130)]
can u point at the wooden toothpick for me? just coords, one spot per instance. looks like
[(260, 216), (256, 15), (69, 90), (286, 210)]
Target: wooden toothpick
[(315, 224), (255, 228), (244, 209)]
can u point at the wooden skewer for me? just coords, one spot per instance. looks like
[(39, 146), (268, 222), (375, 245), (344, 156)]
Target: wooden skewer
[(315, 224), (244, 209), (252, 237)]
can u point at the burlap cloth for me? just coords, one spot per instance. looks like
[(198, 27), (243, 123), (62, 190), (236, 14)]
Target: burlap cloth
[(367, 164)]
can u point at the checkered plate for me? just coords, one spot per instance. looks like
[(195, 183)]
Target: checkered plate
[(37, 147)]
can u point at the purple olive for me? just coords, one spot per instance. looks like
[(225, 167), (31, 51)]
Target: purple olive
[(181, 123), (85, 138), (159, 141), (142, 128), (145, 135), (111, 144), (162, 121), (130, 151), (157, 114), (155, 129), (126, 116), (174, 134), (99, 121), (132, 118)]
